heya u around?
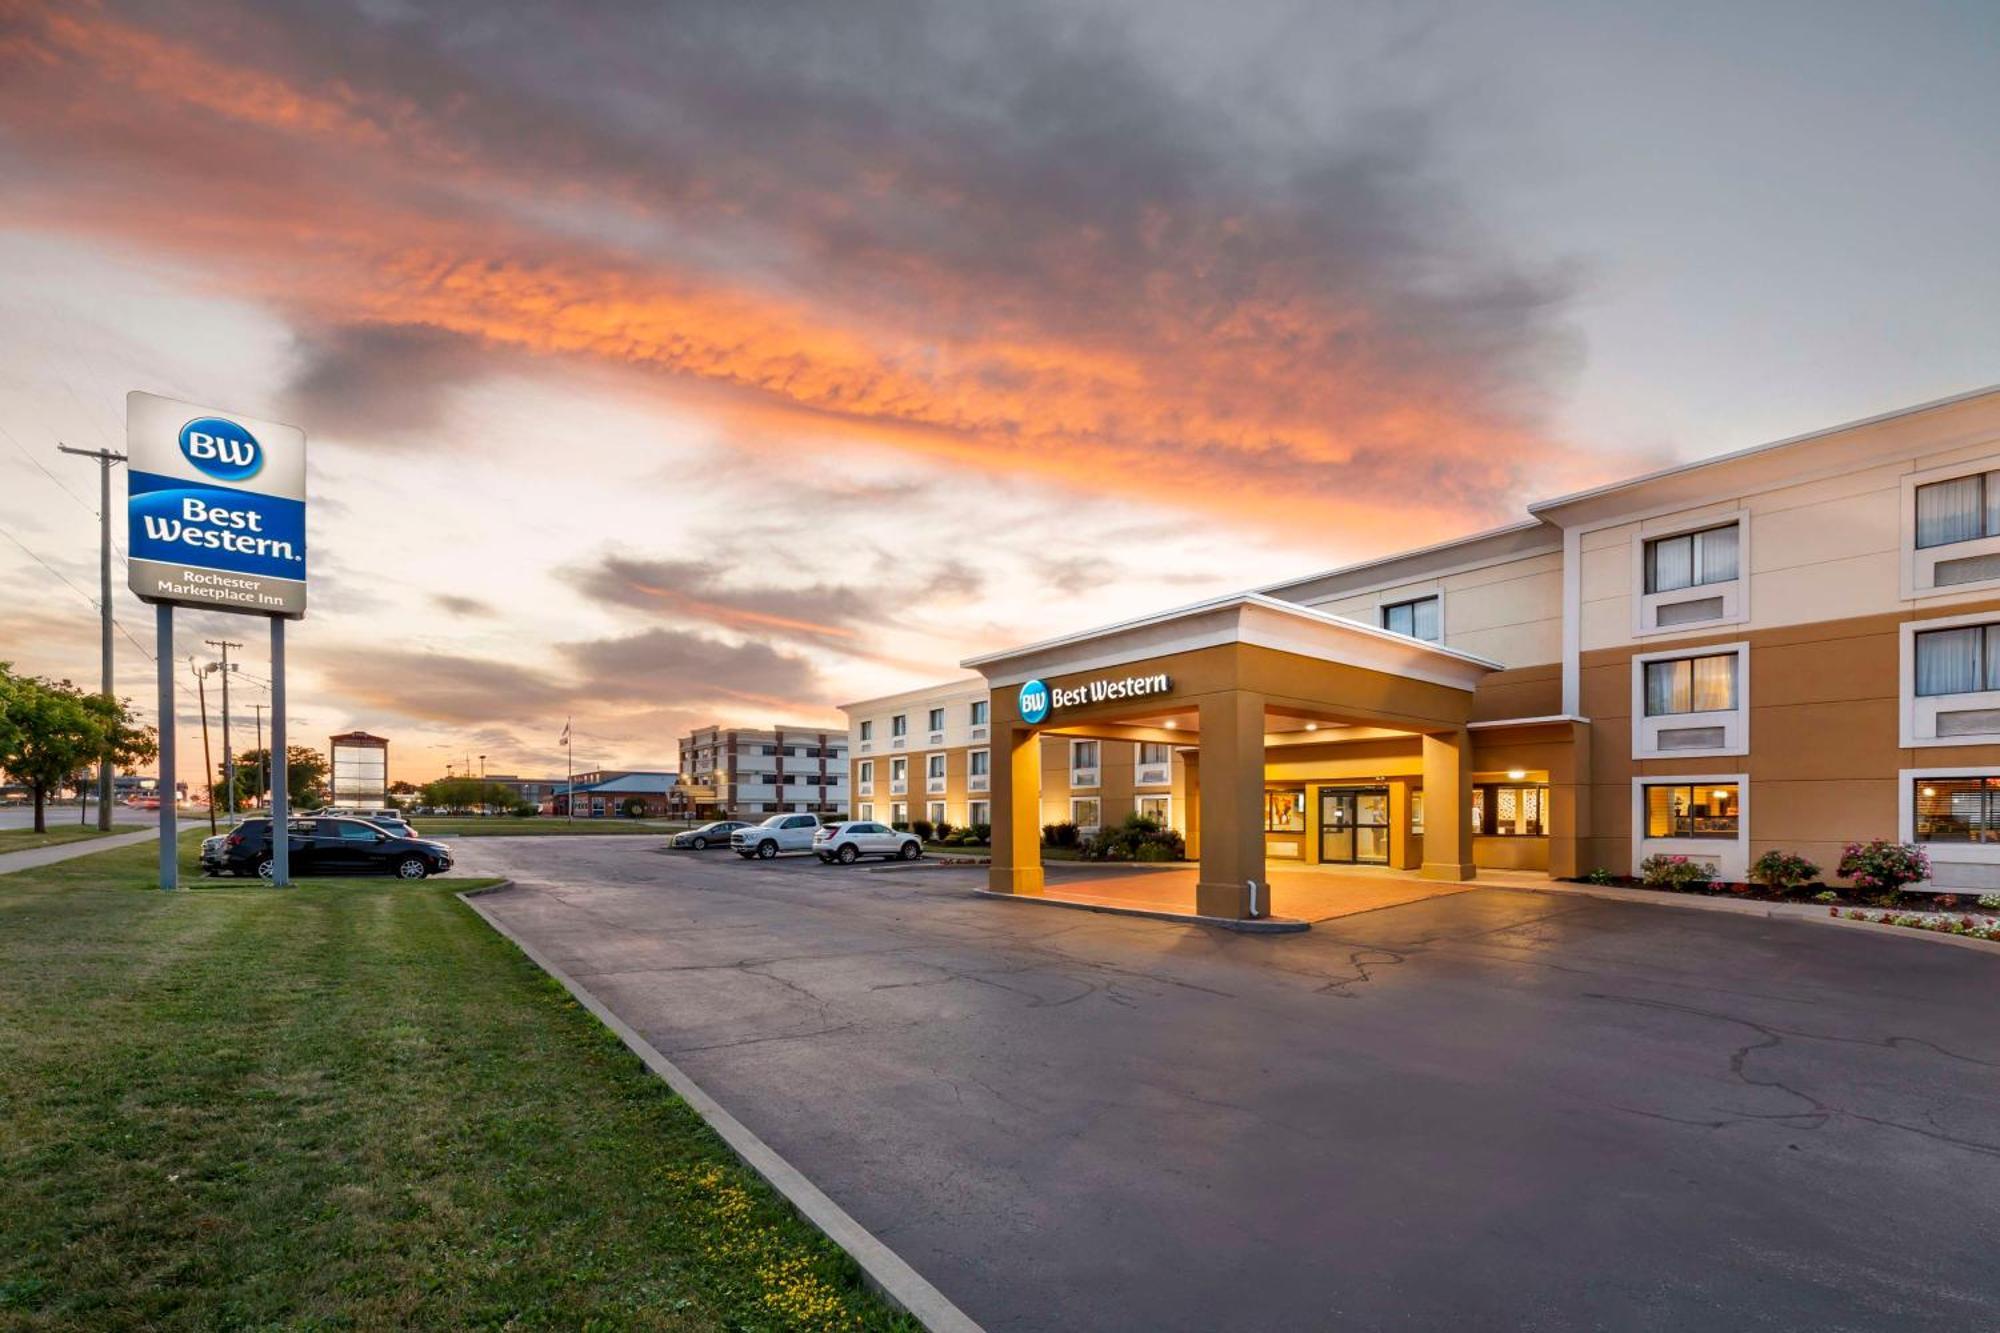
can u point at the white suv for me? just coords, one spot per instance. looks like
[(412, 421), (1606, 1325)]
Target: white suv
[(848, 843), (779, 833)]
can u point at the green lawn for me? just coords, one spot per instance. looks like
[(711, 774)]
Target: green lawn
[(350, 1104), (23, 839)]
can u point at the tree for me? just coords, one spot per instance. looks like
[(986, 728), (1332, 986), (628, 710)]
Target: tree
[(53, 729), (305, 778), (463, 794)]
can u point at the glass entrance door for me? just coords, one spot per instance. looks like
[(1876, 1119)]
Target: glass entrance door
[(1354, 825)]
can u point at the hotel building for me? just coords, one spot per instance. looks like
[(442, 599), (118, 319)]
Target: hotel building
[(1793, 646), (927, 754), (744, 771)]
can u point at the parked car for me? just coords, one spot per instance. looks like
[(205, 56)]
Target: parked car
[(779, 833), (325, 847), (848, 843), (708, 835), (395, 824)]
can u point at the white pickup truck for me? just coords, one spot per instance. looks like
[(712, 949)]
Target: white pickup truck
[(779, 833)]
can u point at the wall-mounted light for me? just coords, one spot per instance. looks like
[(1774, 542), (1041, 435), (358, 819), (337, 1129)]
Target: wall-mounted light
[(1172, 725), (1312, 726), (1516, 774)]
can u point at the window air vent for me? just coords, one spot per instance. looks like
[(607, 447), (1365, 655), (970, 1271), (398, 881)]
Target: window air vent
[(1690, 738), (1969, 722), (1971, 569), (1686, 613)]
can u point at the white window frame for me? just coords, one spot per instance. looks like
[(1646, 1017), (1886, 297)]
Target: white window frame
[(975, 723), (1082, 827), (1139, 805), (1946, 853), (972, 812), (934, 811), (865, 811), (1151, 775), (1919, 567), (1735, 593), (899, 786), (1735, 722), (1731, 855), (1085, 778), (866, 778), (978, 781), (1918, 714), (934, 783)]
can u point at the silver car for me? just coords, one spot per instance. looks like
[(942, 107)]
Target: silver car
[(848, 843)]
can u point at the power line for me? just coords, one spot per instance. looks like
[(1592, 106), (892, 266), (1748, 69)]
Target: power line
[(87, 508)]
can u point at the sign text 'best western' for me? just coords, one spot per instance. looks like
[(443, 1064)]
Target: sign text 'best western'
[(217, 508), (1039, 698)]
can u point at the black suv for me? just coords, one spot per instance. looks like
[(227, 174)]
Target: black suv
[(323, 846)]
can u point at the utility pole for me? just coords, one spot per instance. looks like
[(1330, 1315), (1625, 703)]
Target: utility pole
[(228, 754), (263, 759), (207, 758), (105, 459)]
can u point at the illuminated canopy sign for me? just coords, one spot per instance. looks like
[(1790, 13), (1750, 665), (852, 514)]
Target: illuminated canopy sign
[(218, 508), (1039, 698)]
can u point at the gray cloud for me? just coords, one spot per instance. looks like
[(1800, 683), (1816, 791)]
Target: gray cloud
[(458, 605), (678, 667), (381, 383)]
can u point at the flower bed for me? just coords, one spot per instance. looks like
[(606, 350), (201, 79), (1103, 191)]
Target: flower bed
[(1978, 927)]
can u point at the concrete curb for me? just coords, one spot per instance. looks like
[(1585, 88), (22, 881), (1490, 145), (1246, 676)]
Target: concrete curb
[(1770, 911), (882, 1269), (1267, 925)]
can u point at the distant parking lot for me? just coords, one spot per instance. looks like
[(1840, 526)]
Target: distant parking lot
[(1491, 1110)]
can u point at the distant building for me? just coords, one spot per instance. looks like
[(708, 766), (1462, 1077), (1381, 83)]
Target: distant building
[(743, 771), (531, 791), (604, 794)]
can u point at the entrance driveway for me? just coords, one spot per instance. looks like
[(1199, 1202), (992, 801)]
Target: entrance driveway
[(1301, 893), (1491, 1109)]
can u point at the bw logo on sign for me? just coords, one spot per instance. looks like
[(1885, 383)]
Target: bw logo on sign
[(221, 448)]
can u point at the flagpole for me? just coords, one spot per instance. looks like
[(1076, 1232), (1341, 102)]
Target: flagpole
[(569, 756)]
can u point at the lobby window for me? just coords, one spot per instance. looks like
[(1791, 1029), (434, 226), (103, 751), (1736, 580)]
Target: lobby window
[(1960, 510), (1691, 685), (1510, 810), (1700, 810), (978, 712), (1965, 660), (1419, 618), (899, 725), (1285, 810), (1692, 559), (1957, 809), (937, 719), (1155, 808), (1083, 812)]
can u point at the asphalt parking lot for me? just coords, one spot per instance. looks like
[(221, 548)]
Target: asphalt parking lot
[(1492, 1110)]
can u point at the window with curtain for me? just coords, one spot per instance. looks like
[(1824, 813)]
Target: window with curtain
[(976, 763), (1154, 752), (1083, 754), (979, 712), (1691, 559), (1697, 810), (1965, 660), (1960, 510), (1417, 618), (1691, 685), (936, 767), (1957, 809)]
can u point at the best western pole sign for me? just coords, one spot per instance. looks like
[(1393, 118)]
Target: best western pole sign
[(217, 509)]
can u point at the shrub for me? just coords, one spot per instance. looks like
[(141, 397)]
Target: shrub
[(982, 833), (1884, 865), (922, 828), (1661, 871), (901, 825), (1783, 871), (1136, 839), (1060, 835), (942, 832), (1990, 901), (1599, 875), (633, 808), (1826, 896)]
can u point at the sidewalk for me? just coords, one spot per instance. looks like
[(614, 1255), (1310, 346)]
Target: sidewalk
[(35, 857)]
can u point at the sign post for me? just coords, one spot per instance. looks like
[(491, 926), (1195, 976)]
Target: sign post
[(216, 519)]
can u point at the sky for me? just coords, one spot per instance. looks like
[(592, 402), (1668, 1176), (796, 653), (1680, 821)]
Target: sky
[(673, 364)]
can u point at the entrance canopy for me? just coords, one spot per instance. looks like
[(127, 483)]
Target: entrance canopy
[(1225, 679)]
